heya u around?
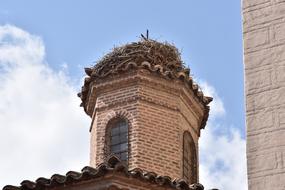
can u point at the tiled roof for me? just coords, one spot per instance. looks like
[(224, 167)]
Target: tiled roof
[(157, 57), (181, 75), (112, 165)]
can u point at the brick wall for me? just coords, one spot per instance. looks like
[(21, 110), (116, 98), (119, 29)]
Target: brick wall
[(264, 63), (158, 111)]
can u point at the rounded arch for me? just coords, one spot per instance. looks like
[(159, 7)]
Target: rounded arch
[(117, 136), (118, 114), (190, 169)]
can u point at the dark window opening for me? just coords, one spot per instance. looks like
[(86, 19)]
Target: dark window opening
[(189, 159), (117, 139)]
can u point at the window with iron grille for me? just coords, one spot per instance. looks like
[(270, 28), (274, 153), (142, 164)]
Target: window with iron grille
[(117, 138), (189, 159)]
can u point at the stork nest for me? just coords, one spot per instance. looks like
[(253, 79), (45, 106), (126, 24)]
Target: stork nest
[(156, 53)]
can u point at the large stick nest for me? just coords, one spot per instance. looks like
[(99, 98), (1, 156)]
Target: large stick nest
[(156, 53)]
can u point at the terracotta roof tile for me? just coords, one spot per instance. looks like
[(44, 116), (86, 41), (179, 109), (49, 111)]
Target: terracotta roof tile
[(112, 165), (157, 57)]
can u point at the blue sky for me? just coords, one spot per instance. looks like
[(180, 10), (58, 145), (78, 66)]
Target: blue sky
[(75, 34), (208, 33)]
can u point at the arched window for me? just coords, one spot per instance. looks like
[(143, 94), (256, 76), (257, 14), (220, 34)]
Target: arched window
[(189, 159), (117, 138)]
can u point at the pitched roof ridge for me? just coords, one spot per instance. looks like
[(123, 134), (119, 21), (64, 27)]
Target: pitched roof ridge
[(113, 164)]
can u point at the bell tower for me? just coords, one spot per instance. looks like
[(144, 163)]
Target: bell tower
[(145, 109)]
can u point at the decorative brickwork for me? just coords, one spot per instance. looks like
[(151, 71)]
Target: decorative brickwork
[(142, 101), (158, 99), (264, 63)]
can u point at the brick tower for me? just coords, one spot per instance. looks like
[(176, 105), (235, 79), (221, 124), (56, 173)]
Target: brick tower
[(146, 119), (145, 109)]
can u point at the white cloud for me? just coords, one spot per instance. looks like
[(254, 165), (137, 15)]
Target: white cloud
[(222, 155), (217, 106), (43, 129)]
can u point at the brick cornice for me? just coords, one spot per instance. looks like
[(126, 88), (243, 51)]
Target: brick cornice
[(143, 78), (175, 87), (143, 67)]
